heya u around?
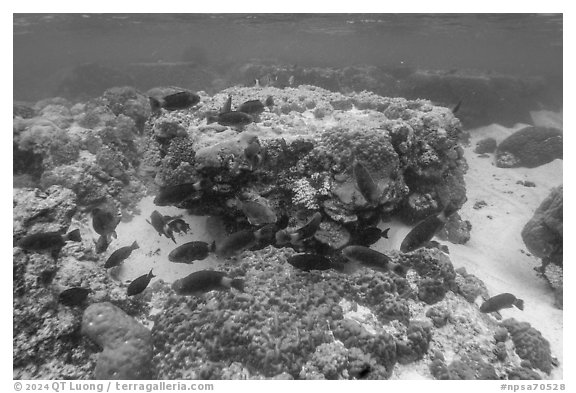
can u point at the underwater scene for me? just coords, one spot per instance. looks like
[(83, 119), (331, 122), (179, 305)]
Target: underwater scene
[(287, 196)]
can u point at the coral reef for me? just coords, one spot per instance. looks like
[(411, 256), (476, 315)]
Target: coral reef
[(456, 230), (529, 344), (127, 344), (543, 234), (470, 286), (530, 147)]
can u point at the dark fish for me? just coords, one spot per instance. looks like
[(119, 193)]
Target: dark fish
[(297, 236), (257, 213), (254, 153), (139, 284), (227, 107), (366, 184), (204, 281), (171, 195), (269, 102), (425, 230), (232, 119), (307, 262), (105, 222), (102, 244), (118, 256), (457, 107), (498, 302), (157, 221), (46, 241), (177, 224), (235, 243), (370, 235), (191, 251), (176, 101), (73, 296), (372, 259), (252, 107)]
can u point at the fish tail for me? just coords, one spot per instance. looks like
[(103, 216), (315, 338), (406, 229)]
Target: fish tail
[(385, 233), (135, 245), (457, 107), (519, 303), (238, 284), (154, 104), (74, 236)]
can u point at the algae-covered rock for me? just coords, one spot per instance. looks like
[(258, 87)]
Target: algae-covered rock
[(529, 344)]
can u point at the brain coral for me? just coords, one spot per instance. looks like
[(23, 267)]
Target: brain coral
[(127, 344), (529, 344)]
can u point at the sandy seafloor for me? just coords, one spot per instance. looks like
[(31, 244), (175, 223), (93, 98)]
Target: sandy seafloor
[(495, 252)]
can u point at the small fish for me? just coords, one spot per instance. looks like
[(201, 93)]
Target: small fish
[(177, 224), (118, 256), (425, 230), (291, 81), (254, 153), (252, 107), (498, 302), (101, 245), (204, 281), (232, 119), (171, 195), (307, 262), (366, 184), (235, 243), (371, 258), (257, 213), (139, 284), (176, 101), (157, 221), (457, 107), (370, 235), (73, 296), (296, 237), (257, 83), (269, 102), (191, 251), (105, 222), (227, 107)]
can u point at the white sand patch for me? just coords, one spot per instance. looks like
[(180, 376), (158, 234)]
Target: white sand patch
[(154, 249)]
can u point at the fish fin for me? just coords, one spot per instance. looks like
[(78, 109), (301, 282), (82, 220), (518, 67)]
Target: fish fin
[(150, 274), (497, 315), (135, 245), (237, 284), (114, 235), (349, 267), (155, 104), (519, 303), (398, 268), (448, 210), (74, 235), (148, 222), (385, 233)]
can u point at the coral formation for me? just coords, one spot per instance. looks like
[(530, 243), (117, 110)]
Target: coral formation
[(543, 234), (127, 344), (530, 147), (529, 344)]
